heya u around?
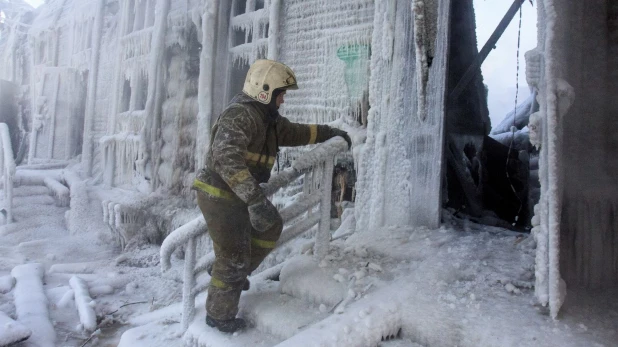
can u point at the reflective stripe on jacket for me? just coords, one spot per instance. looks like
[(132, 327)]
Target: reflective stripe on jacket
[(245, 140)]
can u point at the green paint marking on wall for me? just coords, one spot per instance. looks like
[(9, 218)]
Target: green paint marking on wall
[(357, 59)]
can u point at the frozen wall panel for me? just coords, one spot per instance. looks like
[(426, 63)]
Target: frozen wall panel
[(65, 48), (577, 236), (318, 38), (9, 111), (612, 122), (589, 241), (400, 165), (61, 122)]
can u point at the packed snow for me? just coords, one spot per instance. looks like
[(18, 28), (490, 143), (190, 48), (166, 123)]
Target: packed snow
[(461, 284)]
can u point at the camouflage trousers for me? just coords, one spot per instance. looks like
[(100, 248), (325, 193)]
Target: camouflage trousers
[(239, 249)]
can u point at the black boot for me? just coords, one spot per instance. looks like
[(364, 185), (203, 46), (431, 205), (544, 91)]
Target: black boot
[(226, 326)]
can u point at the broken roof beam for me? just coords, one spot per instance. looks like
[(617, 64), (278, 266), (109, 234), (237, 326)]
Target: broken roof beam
[(480, 58)]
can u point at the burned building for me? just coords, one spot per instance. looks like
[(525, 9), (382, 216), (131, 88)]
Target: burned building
[(130, 88)]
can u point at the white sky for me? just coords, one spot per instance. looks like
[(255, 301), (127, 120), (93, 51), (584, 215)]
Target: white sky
[(35, 3), (499, 69)]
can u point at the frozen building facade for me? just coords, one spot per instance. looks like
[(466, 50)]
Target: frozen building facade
[(130, 89), (576, 131)]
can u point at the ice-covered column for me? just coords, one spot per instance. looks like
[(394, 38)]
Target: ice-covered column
[(7, 164), (400, 165), (52, 121), (273, 29), (550, 217), (150, 132), (205, 92), (97, 34), (84, 303), (33, 101)]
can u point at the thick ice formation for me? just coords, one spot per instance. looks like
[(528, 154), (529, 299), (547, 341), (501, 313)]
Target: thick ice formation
[(11, 331), (31, 304), (401, 160), (84, 303)]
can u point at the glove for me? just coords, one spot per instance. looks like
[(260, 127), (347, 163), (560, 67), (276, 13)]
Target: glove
[(263, 214), (338, 132)]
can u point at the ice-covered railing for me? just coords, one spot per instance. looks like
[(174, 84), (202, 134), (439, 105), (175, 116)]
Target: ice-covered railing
[(7, 165), (317, 167)]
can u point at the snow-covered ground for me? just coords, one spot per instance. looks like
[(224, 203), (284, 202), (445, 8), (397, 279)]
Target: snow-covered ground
[(462, 284)]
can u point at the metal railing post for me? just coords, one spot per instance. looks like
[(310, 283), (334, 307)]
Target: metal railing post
[(7, 164), (188, 296), (322, 238)]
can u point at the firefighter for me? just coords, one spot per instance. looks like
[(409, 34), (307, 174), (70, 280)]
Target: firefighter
[(243, 224)]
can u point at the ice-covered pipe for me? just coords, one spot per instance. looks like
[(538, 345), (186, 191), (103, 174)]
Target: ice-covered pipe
[(320, 153), (179, 237), (188, 302), (273, 29), (554, 165), (84, 303)]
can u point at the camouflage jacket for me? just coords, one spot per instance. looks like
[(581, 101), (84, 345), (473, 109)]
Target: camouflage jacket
[(244, 143)]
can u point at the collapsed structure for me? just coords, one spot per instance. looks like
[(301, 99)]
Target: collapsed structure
[(130, 88)]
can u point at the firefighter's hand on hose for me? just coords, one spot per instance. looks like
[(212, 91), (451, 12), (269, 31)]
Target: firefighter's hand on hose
[(263, 214), (338, 132)]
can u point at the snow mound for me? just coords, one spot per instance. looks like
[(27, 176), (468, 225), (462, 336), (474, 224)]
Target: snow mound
[(84, 303), (31, 303), (11, 331), (201, 335), (156, 334), (6, 284), (367, 323), (279, 315), (302, 278)]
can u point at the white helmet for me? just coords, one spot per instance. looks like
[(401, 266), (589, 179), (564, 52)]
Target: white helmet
[(265, 76)]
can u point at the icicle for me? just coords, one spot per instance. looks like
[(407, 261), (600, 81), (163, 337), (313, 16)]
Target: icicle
[(422, 68)]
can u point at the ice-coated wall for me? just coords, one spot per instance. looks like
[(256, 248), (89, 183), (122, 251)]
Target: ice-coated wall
[(180, 108), (328, 45), (589, 237), (103, 93), (575, 128), (59, 39), (9, 112), (13, 50), (400, 165)]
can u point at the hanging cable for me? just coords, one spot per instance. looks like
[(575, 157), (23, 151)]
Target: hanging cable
[(508, 157)]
